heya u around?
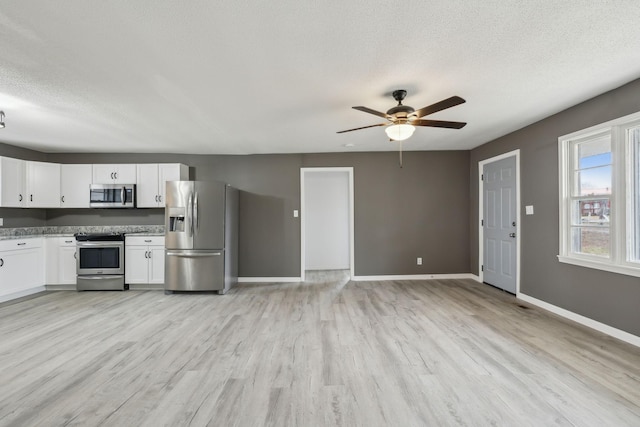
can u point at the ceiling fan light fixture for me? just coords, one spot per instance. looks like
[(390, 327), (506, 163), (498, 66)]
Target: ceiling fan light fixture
[(400, 132)]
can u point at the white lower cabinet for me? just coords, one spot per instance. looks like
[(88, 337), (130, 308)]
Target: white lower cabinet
[(61, 260), (21, 266), (144, 260)]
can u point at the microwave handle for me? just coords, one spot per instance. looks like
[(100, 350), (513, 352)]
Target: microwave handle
[(123, 195)]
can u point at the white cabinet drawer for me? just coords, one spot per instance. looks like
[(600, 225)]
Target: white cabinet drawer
[(144, 241), (66, 241), (16, 244)]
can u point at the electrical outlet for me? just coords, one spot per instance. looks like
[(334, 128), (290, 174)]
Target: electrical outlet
[(295, 213), (419, 261)]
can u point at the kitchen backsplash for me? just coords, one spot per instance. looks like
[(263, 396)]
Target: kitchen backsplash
[(34, 231)]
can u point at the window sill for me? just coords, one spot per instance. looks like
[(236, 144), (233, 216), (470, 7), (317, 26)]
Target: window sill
[(620, 269)]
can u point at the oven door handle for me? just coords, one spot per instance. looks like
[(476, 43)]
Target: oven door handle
[(101, 244)]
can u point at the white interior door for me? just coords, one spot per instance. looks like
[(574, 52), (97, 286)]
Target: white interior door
[(499, 224)]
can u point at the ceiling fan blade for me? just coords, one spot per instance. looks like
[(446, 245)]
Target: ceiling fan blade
[(438, 106), (438, 124), (364, 127), (370, 111)]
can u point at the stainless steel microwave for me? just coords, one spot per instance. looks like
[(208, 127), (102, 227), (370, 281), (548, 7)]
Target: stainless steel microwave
[(112, 196)]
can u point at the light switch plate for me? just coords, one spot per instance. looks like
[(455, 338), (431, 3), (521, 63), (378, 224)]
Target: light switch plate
[(295, 213), (528, 209)]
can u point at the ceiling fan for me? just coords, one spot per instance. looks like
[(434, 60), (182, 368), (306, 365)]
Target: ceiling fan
[(402, 119)]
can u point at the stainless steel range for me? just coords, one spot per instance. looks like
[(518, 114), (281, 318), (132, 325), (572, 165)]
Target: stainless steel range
[(100, 261)]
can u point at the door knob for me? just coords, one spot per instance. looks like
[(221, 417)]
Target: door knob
[(512, 234)]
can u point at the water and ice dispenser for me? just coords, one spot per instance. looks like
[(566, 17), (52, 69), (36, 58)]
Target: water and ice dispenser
[(176, 220)]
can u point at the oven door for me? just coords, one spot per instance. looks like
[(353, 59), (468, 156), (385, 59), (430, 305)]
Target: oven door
[(96, 258)]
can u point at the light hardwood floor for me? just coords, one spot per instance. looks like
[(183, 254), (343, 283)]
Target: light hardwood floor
[(326, 352)]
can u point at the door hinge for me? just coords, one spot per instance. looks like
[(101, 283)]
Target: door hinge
[(482, 177), (482, 222), (482, 268)]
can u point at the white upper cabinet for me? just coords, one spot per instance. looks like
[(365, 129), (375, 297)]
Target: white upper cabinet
[(42, 185), (75, 181), (114, 174), (151, 179), (12, 179), (29, 184)]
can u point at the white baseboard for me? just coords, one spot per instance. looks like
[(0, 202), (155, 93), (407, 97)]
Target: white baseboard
[(416, 277), (593, 324), (20, 294), (147, 287), (268, 279), (60, 287)]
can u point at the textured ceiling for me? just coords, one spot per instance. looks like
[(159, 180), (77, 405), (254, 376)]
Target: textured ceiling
[(281, 76)]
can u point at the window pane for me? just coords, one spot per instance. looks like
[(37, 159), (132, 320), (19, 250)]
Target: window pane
[(595, 152), (634, 219), (591, 212), (593, 181), (591, 241), (592, 166)]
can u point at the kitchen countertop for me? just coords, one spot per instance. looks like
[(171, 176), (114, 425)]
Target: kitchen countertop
[(68, 231), (33, 236)]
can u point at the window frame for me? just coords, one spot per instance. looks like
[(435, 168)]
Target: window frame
[(622, 199)]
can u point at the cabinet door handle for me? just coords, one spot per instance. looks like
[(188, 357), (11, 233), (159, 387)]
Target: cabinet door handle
[(62, 199), (1, 262), (116, 174), (156, 197), (146, 253), (68, 241), (75, 255), (22, 244), (149, 254), (20, 197), (160, 198), (31, 198), (112, 175), (147, 241)]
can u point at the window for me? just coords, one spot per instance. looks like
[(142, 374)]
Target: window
[(600, 196)]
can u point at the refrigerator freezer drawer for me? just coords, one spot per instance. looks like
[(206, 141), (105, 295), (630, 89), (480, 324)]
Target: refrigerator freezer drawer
[(194, 270)]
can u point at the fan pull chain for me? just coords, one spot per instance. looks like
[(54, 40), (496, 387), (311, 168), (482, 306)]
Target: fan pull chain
[(400, 142)]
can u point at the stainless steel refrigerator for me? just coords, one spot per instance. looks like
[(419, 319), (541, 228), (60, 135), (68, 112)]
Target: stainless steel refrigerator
[(201, 236)]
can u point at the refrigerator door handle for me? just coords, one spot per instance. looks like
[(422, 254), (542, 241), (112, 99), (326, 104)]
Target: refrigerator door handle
[(195, 211), (193, 254), (190, 214)]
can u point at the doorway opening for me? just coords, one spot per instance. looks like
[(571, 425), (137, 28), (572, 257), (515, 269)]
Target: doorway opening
[(326, 219), (499, 217)]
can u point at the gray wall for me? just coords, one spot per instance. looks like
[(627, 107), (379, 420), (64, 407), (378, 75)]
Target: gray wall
[(420, 210), (606, 297)]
